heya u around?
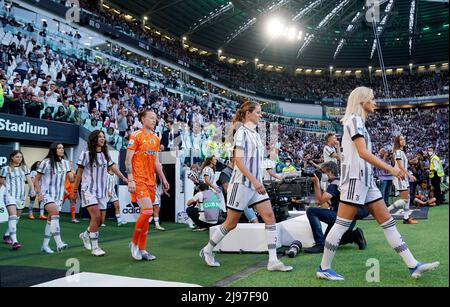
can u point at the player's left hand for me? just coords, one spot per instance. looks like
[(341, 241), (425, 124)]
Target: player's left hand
[(166, 186)]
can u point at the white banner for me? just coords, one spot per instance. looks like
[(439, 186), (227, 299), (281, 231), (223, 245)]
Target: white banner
[(3, 211), (128, 212)]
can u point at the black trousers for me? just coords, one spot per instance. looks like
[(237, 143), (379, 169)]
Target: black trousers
[(193, 213), (436, 183)]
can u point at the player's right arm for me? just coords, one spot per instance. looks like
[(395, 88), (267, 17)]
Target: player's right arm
[(80, 170), (82, 163), (360, 145), (37, 186), (3, 172), (37, 179)]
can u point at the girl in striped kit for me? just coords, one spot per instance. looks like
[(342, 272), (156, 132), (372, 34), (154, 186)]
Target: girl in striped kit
[(113, 198), (50, 186), (13, 177), (93, 166), (33, 172), (402, 186)]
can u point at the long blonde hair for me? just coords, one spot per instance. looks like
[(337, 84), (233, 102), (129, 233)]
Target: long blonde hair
[(355, 102)]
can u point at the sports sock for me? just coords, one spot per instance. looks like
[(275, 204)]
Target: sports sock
[(332, 241), (47, 234), (396, 242), (12, 225), (271, 236), (55, 230), (94, 239), (141, 227), (216, 238)]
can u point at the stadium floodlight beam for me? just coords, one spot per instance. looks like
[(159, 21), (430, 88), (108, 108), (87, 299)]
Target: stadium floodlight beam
[(291, 33), (240, 30), (308, 39), (332, 14), (212, 15), (349, 31), (412, 12), (380, 28), (322, 25), (250, 22), (306, 9), (275, 27)]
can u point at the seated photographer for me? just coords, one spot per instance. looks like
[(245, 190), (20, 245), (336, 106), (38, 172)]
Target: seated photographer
[(326, 212), (424, 196), (203, 208)]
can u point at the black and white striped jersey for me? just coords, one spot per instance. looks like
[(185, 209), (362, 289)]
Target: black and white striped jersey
[(53, 179), (95, 176), (400, 155), (353, 167), (327, 152), (250, 142), (15, 178)]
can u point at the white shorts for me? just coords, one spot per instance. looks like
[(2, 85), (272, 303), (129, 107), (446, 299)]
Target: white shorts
[(157, 197), (88, 200), (400, 185), (355, 192), (49, 199), (113, 198), (11, 201), (239, 197)]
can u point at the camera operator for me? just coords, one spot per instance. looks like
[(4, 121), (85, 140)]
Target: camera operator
[(327, 204)]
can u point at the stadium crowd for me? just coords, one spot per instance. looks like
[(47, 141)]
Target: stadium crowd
[(274, 83)]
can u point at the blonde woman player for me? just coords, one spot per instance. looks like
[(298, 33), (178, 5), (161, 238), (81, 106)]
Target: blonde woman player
[(402, 186), (358, 188), (13, 176)]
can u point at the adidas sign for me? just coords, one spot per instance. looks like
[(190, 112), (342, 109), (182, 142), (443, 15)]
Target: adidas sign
[(131, 208)]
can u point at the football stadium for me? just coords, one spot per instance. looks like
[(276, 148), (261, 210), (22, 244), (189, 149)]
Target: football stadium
[(242, 144)]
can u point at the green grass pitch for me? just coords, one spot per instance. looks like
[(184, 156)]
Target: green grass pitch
[(177, 255)]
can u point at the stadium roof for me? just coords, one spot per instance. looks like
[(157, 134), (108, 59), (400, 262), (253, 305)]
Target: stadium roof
[(341, 36)]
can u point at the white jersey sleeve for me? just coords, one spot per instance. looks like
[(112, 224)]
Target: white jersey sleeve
[(239, 139), (355, 127), (84, 159), (4, 171)]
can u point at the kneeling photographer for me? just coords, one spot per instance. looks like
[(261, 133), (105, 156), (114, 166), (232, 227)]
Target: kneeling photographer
[(327, 204)]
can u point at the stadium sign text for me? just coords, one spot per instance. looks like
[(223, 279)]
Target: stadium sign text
[(26, 128)]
